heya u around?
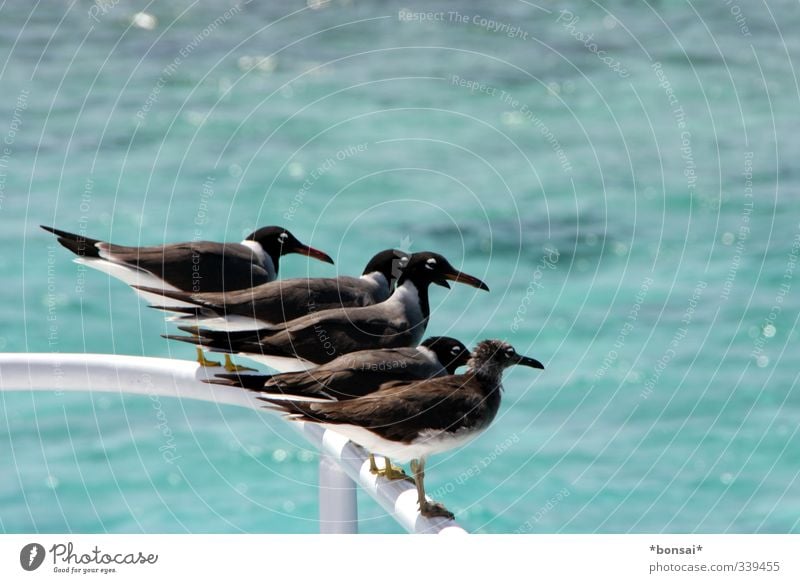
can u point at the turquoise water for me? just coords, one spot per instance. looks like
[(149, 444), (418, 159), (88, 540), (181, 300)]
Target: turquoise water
[(630, 198)]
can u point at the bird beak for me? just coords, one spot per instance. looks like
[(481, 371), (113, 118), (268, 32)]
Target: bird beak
[(311, 252), (527, 361), (461, 277)]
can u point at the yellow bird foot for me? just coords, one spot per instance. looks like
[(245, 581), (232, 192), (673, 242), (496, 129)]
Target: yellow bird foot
[(392, 472), (203, 361), (231, 366), (434, 509), (373, 467), (395, 473)]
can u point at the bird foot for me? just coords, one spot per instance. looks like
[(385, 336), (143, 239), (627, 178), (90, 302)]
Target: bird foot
[(373, 467), (394, 473), (238, 368), (204, 362), (434, 509), (231, 366)]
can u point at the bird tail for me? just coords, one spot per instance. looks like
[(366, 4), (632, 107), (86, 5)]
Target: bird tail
[(300, 384), (187, 312), (234, 336), (173, 294), (208, 343), (294, 410), (78, 244), (216, 344), (257, 383), (252, 382), (222, 341)]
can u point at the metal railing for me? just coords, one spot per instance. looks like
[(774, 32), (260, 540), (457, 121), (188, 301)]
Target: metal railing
[(342, 465)]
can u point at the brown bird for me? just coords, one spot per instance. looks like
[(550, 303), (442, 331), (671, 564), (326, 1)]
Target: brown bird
[(411, 421), (361, 373)]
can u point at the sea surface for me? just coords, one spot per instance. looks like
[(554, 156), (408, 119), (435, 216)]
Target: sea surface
[(624, 176)]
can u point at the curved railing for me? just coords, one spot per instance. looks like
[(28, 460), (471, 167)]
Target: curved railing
[(342, 464)]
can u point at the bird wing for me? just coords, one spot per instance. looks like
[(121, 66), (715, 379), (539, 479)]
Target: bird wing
[(394, 412), (284, 300), (355, 374), (323, 336), (193, 266)]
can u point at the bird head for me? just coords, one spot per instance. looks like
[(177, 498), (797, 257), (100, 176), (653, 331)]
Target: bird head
[(277, 241), (426, 267), (449, 351), (389, 263), (494, 356)]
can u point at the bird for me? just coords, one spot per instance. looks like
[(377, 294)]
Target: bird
[(317, 338), (361, 373), (410, 421), (283, 300), (193, 266)]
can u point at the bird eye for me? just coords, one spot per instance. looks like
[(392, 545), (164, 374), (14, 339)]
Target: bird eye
[(282, 237), (455, 350), (430, 263)]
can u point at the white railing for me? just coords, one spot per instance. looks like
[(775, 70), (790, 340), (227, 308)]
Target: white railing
[(342, 464)]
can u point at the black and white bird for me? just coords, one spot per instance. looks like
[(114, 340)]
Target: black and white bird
[(412, 421), (360, 373), (194, 266), (317, 338), (283, 300)]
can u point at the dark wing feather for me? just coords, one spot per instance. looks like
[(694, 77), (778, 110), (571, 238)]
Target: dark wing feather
[(398, 412), (322, 337), (254, 382), (354, 375), (194, 266), (281, 301), (78, 244)]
